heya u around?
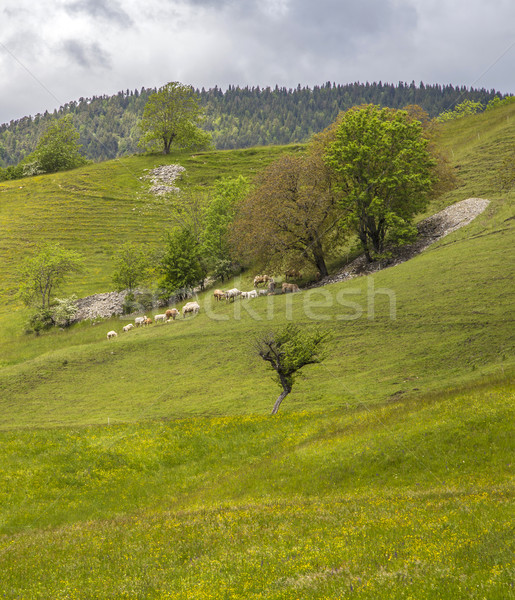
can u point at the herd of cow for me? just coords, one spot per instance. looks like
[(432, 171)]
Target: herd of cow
[(194, 307)]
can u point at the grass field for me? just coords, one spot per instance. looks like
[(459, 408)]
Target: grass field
[(149, 467)]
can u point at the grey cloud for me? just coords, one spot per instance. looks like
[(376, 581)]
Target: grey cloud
[(109, 10), (86, 55)]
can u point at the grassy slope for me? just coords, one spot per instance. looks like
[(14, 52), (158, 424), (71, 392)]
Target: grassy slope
[(375, 481)]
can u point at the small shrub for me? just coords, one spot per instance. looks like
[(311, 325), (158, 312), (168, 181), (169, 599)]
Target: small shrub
[(40, 321), (129, 305)]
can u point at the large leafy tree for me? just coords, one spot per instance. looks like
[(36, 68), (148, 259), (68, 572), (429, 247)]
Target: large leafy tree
[(287, 351), (58, 149), (290, 217), (182, 265), (171, 117), (228, 193), (42, 274), (384, 172), (131, 266)]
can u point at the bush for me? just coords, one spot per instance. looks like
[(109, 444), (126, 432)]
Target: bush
[(129, 305), (40, 321), (64, 311)]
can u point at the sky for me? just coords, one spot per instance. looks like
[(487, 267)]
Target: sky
[(52, 52)]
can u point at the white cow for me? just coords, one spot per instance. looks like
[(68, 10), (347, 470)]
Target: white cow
[(234, 293), (190, 307), (140, 320), (111, 335), (160, 318), (128, 327)]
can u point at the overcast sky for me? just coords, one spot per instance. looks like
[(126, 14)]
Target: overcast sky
[(52, 52)]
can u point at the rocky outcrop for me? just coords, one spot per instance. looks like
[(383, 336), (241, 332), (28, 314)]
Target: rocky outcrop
[(163, 178), (100, 306)]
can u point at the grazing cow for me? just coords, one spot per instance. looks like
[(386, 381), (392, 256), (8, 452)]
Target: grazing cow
[(262, 292), (128, 327), (190, 307), (140, 320), (147, 321), (290, 288), (251, 294), (171, 313), (232, 294), (261, 279), (292, 274), (219, 295), (111, 335), (161, 317)]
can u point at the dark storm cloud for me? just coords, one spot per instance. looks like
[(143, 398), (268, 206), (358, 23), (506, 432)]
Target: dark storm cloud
[(85, 55), (109, 10)]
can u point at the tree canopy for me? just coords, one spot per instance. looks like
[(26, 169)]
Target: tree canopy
[(182, 265), (384, 173), (42, 274), (287, 351), (131, 266), (58, 149), (171, 116), (289, 218)]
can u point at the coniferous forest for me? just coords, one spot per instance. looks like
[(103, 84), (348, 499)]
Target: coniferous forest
[(236, 117)]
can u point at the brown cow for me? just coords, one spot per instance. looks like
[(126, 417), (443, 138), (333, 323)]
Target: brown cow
[(262, 279), (171, 313), (290, 288), (219, 295)]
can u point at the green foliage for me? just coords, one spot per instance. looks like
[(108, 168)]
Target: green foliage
[(288, 350), (41, 275), (57, 149), (131, 266), (496, 102), (464, 109), (171, 116), (227, 194), (40, 320), (182, 265), (235, 118), (384, 173)]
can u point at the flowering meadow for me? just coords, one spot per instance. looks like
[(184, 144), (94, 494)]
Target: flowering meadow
[(399, 500)]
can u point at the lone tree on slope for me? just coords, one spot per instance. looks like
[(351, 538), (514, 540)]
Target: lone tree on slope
[(287, 351), (171, 116)]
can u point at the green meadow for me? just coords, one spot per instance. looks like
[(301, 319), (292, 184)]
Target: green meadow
[(149, 466)]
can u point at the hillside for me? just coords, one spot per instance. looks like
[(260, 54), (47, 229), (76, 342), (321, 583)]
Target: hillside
[(149, 467), (236, 117)]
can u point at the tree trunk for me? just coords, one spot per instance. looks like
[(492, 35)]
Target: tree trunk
[(318, 255), (280, 399)]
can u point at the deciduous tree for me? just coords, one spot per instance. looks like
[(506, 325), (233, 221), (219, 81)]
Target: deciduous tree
[(41, 275), (287, 351), (227, 195), (384, 172), (182, 265), (171, 117), (132, 264), (290, 217), (58, 149)]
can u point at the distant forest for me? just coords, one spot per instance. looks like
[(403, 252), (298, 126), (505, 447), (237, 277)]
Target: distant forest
[(236, 118)]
